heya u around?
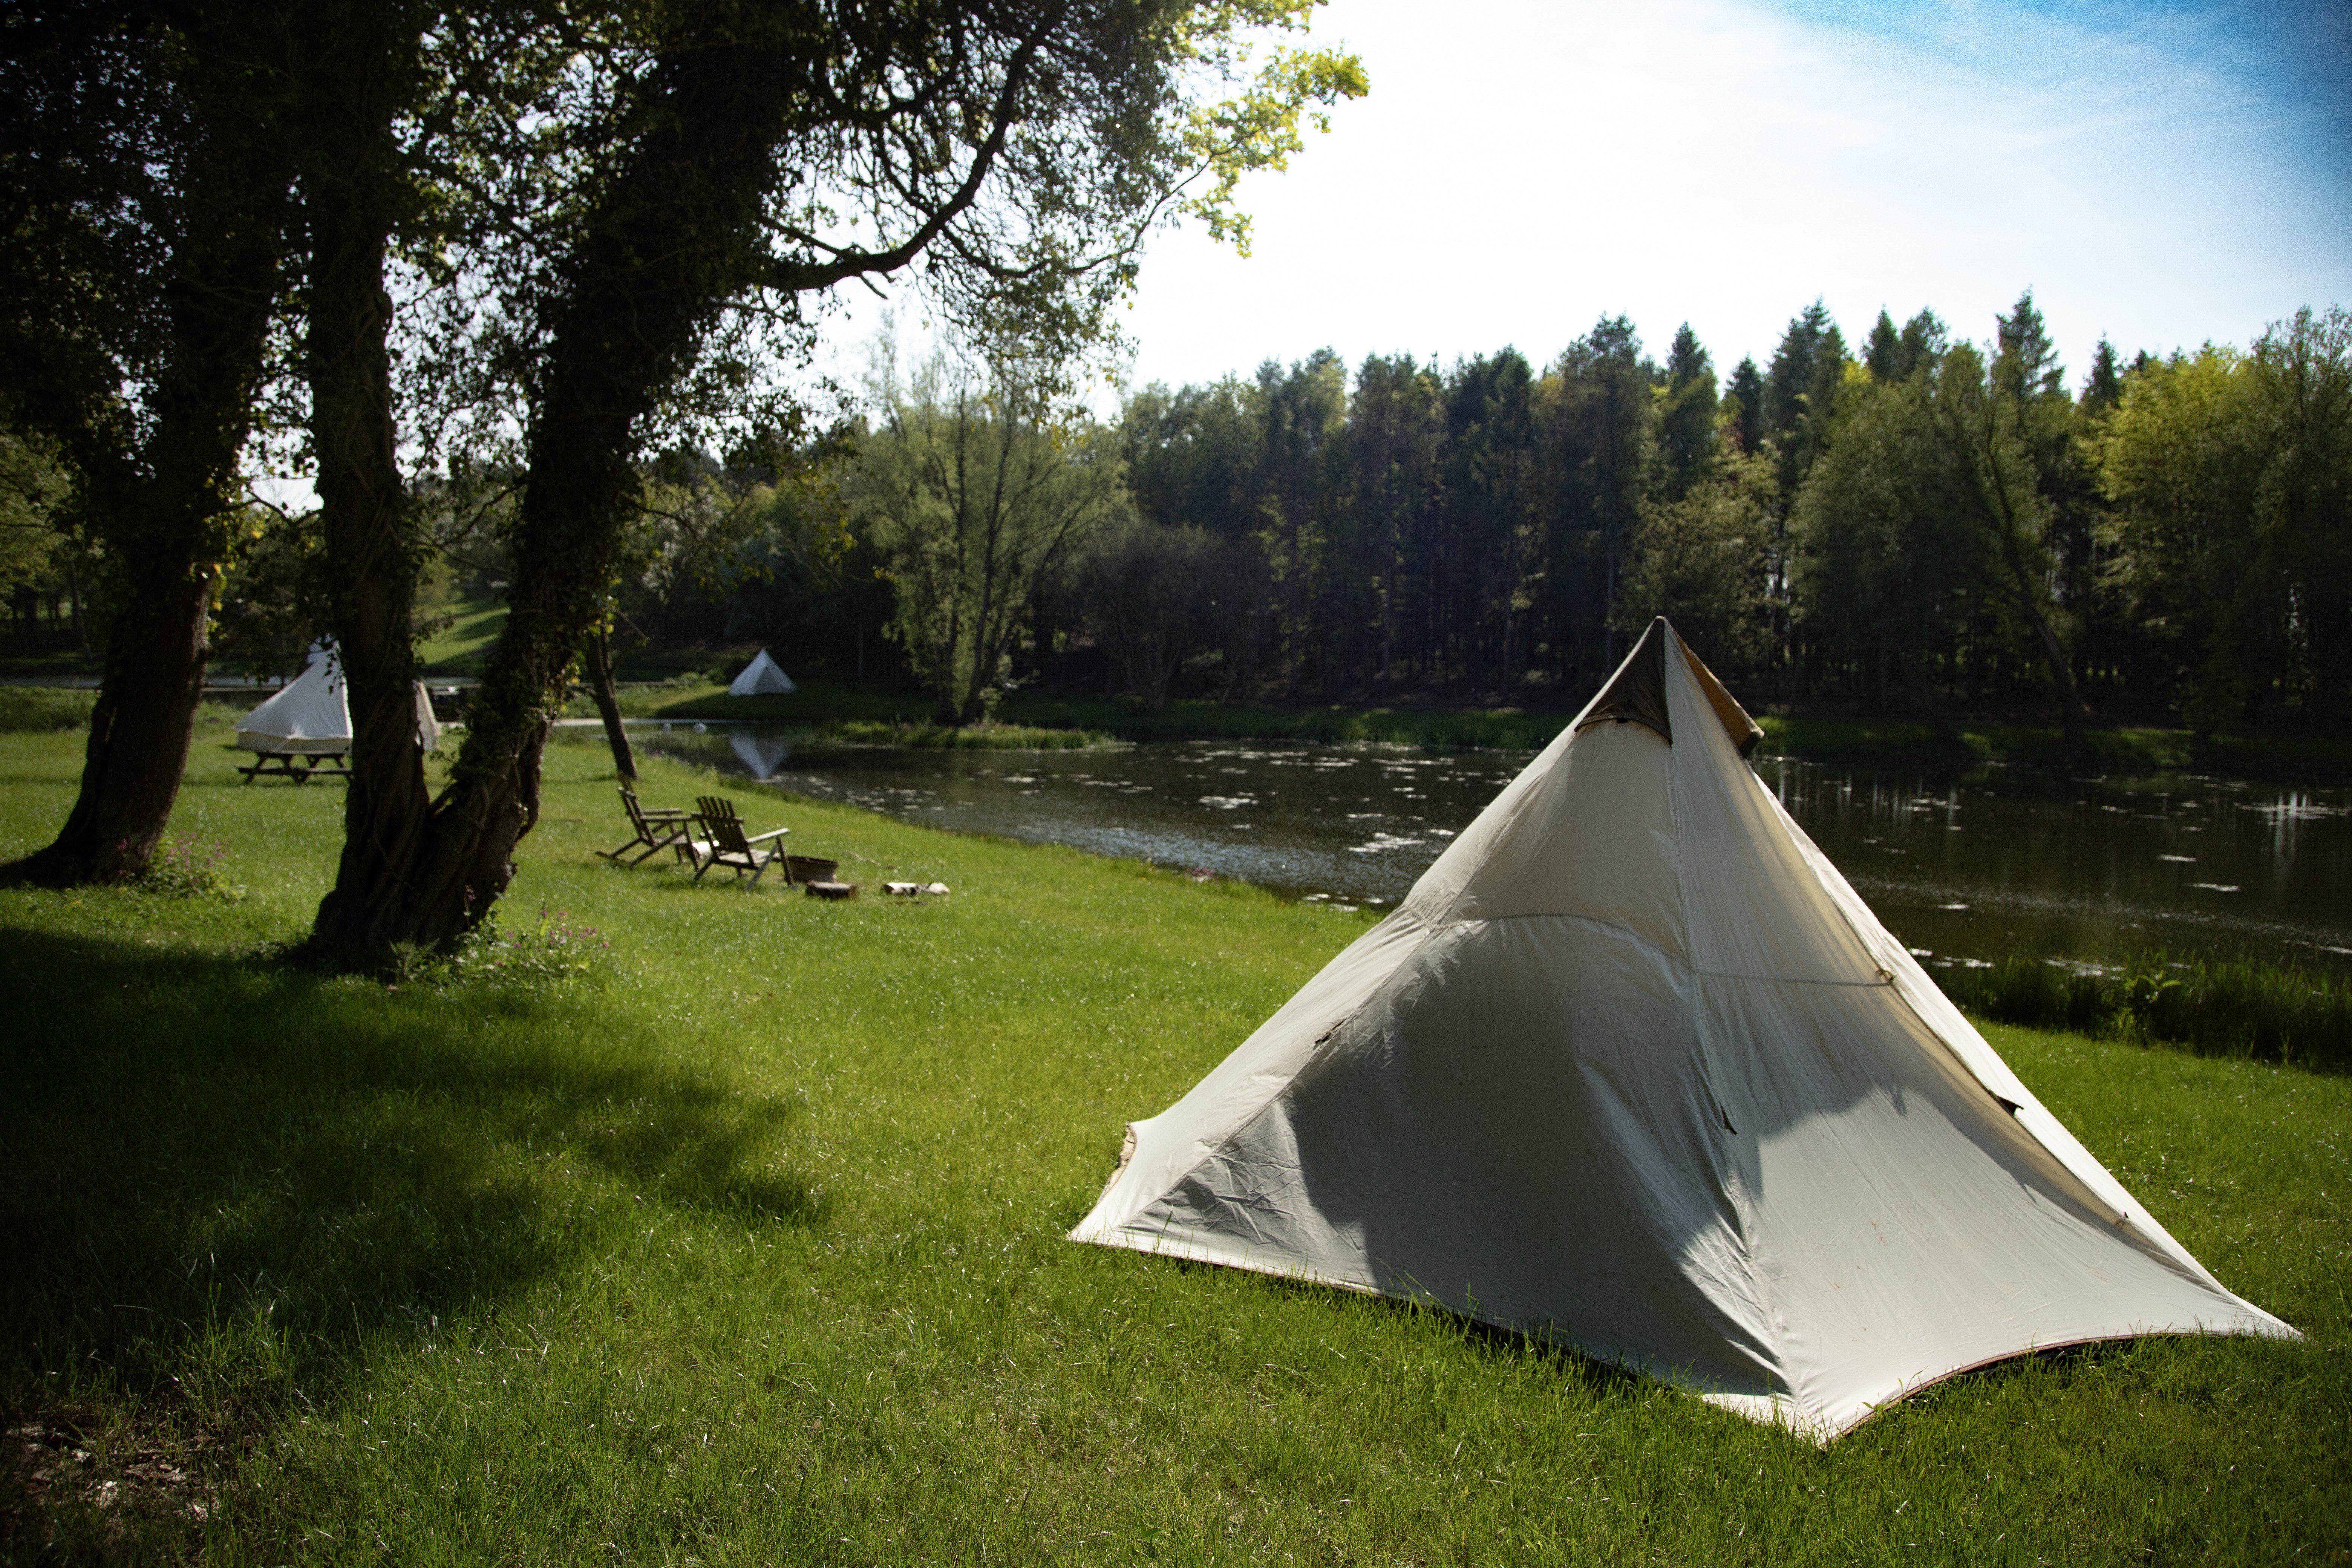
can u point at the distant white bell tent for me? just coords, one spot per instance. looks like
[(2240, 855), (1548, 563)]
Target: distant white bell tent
[(1634, 1069), (311, 716), (760, 678)]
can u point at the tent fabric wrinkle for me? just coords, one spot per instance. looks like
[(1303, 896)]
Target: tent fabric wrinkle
[(1634, 1068)]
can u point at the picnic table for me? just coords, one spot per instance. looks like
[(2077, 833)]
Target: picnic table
[(280, 765)]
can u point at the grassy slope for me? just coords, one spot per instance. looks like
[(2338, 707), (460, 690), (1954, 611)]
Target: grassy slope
[(753, 1251), (460, 648)]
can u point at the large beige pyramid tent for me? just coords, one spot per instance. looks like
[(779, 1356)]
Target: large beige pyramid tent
[(1633, 1067)]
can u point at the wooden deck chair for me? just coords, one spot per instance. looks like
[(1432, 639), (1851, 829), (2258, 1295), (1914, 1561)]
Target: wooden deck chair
[(723, 842), (656, 830)]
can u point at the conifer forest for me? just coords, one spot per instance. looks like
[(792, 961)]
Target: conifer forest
[(1910, 523)]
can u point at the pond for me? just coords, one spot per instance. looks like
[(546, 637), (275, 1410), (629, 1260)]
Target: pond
[(1998, 861)]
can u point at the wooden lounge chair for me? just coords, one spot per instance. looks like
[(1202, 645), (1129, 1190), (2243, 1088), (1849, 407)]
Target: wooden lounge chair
[(723, 842), (656, 830)]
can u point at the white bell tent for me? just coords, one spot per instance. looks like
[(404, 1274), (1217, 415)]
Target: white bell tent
[(311, 715), (1634, 1068), (762, 677)]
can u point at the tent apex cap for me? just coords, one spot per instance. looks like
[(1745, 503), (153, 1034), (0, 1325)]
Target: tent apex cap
[(1637, 692)]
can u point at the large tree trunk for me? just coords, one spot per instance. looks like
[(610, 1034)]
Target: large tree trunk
[(162, 510), (351, 190), (676, 235), (648, 278), (139, 732)]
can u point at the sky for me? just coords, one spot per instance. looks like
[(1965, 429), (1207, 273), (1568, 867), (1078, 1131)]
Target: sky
[(2162, 174)]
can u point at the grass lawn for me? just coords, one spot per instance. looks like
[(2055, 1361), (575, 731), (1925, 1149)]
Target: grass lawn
[(749, 1250)]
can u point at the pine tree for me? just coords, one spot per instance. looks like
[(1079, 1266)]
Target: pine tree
[(1746, 396), (1791, 375), (2029, 358), (2104, 387), (1923, 340), (1893, 355), (1883, 357), (1686, 414)]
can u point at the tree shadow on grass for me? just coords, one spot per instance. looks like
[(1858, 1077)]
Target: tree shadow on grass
[(223, 1182)]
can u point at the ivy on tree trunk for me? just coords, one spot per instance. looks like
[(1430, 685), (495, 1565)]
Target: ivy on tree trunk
[(664, 254)]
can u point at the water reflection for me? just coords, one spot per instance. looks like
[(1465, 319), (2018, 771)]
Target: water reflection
[(2010, 860), (760, 755), (1994, 862)]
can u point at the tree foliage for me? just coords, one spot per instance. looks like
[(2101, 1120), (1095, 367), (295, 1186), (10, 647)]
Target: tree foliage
[(145, 167), (1486, 528), (721, 167), (976, 488), (2229, 476)]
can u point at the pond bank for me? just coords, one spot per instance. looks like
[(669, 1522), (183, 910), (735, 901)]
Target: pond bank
[(1995, 863), (1952, 747), (864, 713)]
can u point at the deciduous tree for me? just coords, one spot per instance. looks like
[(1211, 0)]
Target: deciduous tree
[(975, 485), (1024, 149), (144, 172), (2230, 479)]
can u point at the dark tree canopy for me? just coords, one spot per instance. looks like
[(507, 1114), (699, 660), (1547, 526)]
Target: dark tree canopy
[(144, 174)]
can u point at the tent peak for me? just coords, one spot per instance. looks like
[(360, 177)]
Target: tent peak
[(1636, 694)]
